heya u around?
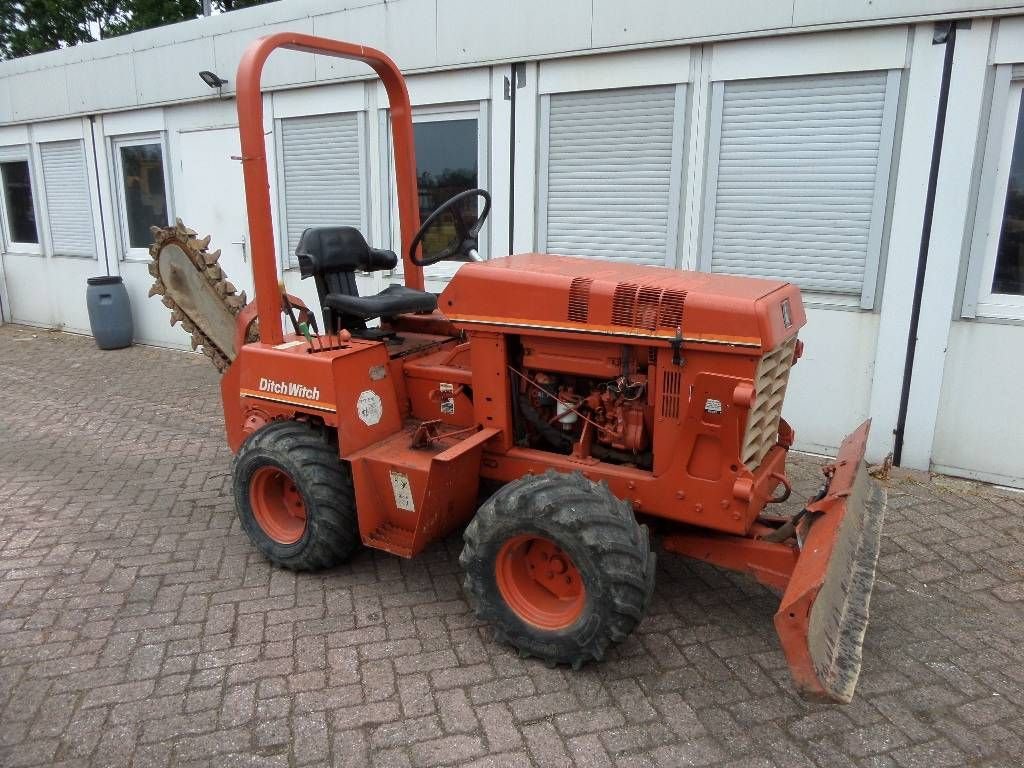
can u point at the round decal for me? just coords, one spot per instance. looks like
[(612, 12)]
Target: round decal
[(369, 407)]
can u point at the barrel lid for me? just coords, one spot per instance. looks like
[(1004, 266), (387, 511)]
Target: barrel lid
[(104, 280)]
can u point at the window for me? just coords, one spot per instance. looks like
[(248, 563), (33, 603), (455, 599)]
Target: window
[(68, 210), (323, 179), (142, 186), (1008, 274), (18, 203), (451, 157), (611, 170), (798, 180), (995, 273), (446, 164)]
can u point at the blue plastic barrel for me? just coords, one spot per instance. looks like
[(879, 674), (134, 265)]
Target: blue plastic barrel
[(110, 312)]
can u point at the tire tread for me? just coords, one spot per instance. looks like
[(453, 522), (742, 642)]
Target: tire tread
[(590, 514), (327, 487)]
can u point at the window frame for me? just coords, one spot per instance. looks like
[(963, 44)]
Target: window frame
[(435, 113), (882, 196), (979, 302), (14, 154), (117, 143)]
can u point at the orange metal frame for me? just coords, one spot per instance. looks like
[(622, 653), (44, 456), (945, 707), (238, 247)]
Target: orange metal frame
[(254, 161)]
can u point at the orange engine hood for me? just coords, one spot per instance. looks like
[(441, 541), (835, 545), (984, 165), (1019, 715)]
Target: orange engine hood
[(544, 292)]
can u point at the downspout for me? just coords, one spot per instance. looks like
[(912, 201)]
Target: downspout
[(99, 192), (513, 84), (944, 34)]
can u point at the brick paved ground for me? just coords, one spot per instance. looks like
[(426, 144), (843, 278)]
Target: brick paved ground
[(137, 624)]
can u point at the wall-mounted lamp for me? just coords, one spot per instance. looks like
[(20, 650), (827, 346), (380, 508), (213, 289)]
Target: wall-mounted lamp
[(212, 80)]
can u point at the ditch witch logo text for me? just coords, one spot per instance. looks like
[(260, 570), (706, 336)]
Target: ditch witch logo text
[(290, 388)]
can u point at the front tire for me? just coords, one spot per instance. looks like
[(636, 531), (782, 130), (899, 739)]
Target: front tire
[(294, 497), (559, 567)]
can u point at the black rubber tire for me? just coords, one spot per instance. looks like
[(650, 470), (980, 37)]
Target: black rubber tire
[(601, 535), (325, 483)]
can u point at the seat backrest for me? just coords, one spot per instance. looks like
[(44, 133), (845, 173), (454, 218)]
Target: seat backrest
[(331, 255), (323, 250)]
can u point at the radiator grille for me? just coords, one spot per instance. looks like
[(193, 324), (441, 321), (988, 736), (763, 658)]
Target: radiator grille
[(579, 299), (770, 390)]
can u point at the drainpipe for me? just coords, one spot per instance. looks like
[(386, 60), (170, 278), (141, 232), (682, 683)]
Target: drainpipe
[(513, 84), (99, 192), (944, 34)]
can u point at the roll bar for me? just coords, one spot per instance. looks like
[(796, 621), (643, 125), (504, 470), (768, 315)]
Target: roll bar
[(254, 161)]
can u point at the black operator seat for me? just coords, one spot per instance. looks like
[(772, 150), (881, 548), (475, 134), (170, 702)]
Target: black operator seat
[(331, 255)]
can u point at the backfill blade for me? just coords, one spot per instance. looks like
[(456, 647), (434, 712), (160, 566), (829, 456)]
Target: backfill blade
[(824, 612)]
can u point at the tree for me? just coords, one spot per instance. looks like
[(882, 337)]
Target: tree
[(34, 26), (131, 16)]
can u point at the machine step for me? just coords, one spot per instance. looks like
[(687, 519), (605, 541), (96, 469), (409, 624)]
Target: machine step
[(411, 489), (392, 538)]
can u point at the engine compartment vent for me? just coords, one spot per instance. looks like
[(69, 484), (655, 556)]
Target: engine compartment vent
[(624, 303), (579, 299), (671, 314), (647, 307), (670, 381)]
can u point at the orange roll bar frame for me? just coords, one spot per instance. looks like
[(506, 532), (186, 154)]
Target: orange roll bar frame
[(254, 161)]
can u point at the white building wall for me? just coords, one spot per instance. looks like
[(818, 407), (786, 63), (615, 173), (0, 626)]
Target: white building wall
[(853, 365)]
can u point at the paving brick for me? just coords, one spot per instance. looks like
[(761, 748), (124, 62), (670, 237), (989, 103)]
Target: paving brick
[(117, 693), (272, 734), (310, 738), (589, 721), (237, 706), (588, 752), (534, 708), (503, 690), (138, 625), (405, 732), (210, 745), (415, 695), (933, 754), (873, 740), (350, 749), (498, 727), (446, 751), (545, 746), (457, 715)]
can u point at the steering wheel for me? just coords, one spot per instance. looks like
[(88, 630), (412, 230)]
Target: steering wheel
[(466, 248)]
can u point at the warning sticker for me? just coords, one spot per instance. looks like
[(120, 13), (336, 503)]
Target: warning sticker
[(447, 399), (402, 491), (369, 407)]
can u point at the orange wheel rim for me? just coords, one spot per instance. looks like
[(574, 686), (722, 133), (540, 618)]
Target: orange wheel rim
[(540, 582), (277, 505)]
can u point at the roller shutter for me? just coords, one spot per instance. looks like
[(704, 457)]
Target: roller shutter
[(798, 178), (323, 174), (611, 165), (68, 206)]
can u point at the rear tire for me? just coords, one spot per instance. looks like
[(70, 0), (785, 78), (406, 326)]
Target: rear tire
[(529, 544), (294, 497)]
